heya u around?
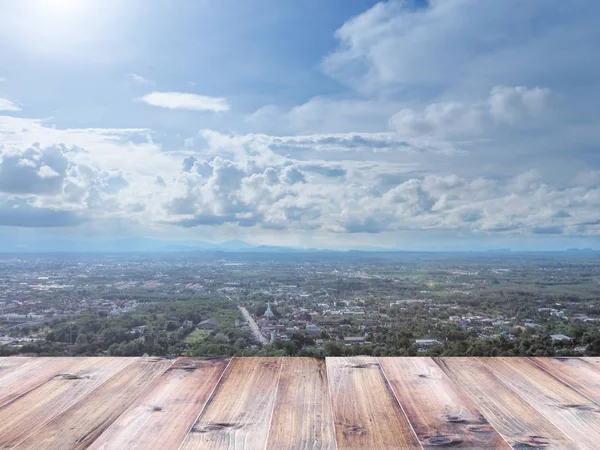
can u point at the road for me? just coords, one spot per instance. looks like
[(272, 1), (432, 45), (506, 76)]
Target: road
[(253, 325)]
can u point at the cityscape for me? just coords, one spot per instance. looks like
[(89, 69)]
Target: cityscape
[(314, 303)]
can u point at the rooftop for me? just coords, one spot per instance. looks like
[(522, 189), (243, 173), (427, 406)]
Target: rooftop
[(278, 403)]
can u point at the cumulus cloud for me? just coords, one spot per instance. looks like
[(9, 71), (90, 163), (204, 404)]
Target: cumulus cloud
[(60, 185), (464, 42), (505, 105), (33, 171), (181, 100), (8, 105)]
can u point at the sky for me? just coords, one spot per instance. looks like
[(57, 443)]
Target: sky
[(417, 125)]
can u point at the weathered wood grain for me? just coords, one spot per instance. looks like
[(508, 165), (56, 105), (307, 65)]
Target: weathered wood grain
[(279, 403), (575, 415), (30, 412), (238, 415), (302, 418), (521, 425), (576, 372), (7, 362), (440, 414), (29, 374), (366, 414), (81, 424), (593, 360), (161, 418)]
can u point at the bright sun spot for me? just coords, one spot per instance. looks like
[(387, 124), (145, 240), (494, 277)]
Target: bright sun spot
[(63, 6), (61, 26)]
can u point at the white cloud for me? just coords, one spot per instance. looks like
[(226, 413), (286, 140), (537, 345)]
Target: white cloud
[(60, 185), (505, 105), (509, 104), (325, 115), (180, 100), (140, 80), (466, 43), (7, 105)]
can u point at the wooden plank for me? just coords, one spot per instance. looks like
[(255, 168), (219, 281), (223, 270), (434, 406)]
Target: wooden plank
[(576, 372), (27, 414), (29, 374), (521, 425), (365, 412), (593, 360), (239, 412), (80, 425), (302, 418), (440, 414), (161, 418), (7, 362), (575, 415)]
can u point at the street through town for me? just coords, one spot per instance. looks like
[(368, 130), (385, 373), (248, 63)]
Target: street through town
[(253, 325)]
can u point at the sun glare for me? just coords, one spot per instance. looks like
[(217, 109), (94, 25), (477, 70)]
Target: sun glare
[(62, 6), (61, 27)]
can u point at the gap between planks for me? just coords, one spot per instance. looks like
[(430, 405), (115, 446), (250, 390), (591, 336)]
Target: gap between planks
[(274, 402), (387, 382), (210, 398)]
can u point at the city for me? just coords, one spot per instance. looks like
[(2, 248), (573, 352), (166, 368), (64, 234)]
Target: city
[(215, 303)]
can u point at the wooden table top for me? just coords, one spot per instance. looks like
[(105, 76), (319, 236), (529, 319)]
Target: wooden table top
[(299, 403)]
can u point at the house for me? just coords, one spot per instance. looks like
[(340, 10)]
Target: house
[(560, 337), (426, 343), (139, 331), (354, 339), (313, 329), (188, 324), (208, 324)]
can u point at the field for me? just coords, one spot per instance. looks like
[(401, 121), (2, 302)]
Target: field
[(196, 336)]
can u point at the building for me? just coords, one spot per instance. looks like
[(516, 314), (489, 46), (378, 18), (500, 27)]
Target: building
[(21, 318), (313, 329), (560, 337), (139, 331), (354, 339), (268, 313), (208, 324), (426, 343)]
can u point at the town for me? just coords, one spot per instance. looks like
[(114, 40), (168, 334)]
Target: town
[(305, 303)]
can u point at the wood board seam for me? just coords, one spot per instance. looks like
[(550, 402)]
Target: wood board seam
[(31, 389), (331, 406), (208, 400), (73, 403), (468, 396), (389, 387), (565, 382), (8, 403), (274, 402), (524, 399), (331, 402), (133, 401)]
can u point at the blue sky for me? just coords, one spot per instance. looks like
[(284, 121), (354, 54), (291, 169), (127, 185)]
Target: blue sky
[(406, 124)]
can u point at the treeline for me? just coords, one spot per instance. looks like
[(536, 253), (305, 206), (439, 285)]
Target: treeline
[(164, 332)]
